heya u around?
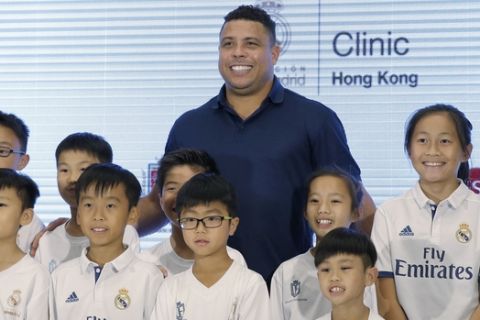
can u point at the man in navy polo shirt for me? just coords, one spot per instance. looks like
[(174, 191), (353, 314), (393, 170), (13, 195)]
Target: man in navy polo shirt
[(265, 139)]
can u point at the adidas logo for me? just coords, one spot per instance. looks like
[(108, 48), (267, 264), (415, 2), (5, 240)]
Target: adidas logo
[(407, 231), (72, 297)]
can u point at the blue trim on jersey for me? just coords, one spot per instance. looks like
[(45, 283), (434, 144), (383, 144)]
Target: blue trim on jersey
[(385, 274), (98, 271)]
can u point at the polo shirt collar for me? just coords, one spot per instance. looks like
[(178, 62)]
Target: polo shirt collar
[(118, 264), (275, 96), (454, 200)]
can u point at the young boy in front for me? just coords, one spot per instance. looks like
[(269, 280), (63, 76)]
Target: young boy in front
[(13, 155), (215, 287), (73, 155), (176, 168), (107, 281), (24, 283), (345, 260)]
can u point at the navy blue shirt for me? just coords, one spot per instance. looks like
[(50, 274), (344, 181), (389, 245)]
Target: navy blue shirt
[(268, 158)]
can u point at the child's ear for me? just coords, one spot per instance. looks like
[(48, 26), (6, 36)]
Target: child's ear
[(26, 216), (132, 216), (233, 225), (24, 159), (371, 275)]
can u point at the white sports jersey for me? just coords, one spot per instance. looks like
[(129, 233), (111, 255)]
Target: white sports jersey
[(58, 246), (27, 232), (434, 261), (24, 291), (126, 289), (295, 292), (372, 316), (163, 255), (240, 294)]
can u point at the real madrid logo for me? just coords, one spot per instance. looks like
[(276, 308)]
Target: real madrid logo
[(282, 29), (463, 234), (14, 299), (122, 300)]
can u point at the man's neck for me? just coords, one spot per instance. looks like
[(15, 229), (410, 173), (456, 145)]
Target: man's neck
[(245, 105)]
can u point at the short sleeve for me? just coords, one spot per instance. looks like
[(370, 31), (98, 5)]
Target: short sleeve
[(381, 239)]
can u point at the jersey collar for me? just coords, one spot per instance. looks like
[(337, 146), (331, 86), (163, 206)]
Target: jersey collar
[(454, 200), (275, 96), (115, 266)]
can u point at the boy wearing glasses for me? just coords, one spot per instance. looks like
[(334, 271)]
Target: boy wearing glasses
[(215, 287), (176, 168), (13, 155), (107, 281)]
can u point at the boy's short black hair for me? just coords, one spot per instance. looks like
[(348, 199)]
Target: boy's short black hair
[(90, 143), (189, 157), (18, 127), (205, 188), (105, 176), (27, 189), (255, 14), (346, 241)]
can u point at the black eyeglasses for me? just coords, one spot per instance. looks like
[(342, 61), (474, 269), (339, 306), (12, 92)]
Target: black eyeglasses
[(190, 223), (5, 152)]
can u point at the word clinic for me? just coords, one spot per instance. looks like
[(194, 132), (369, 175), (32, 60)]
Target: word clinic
[(383, 78), (361, 44)]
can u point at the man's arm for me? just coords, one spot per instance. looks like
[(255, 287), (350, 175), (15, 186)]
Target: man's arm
[(366, 213), (51, 226), (151, 216)]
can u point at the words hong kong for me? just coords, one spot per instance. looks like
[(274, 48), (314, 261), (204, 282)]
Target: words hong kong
[(380, 78)]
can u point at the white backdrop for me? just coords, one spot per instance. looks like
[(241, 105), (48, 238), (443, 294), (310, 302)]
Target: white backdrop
[(128, 69)]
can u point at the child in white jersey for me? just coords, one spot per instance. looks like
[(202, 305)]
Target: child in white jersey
[(24, 283), (215, 287), (427, 242), (333, 198), (176, 168), (107, 281), (73, 155), (345, 260), (13, 155)]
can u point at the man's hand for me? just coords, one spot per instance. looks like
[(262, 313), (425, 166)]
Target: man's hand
[(51, 226)]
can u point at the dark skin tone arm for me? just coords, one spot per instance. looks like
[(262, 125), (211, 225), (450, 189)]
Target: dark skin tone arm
[(151, 217), (367, 212)]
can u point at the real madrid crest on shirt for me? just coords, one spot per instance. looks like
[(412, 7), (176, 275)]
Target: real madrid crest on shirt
[(463, 234), (12, 302), (122, 300), (14, 299)]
